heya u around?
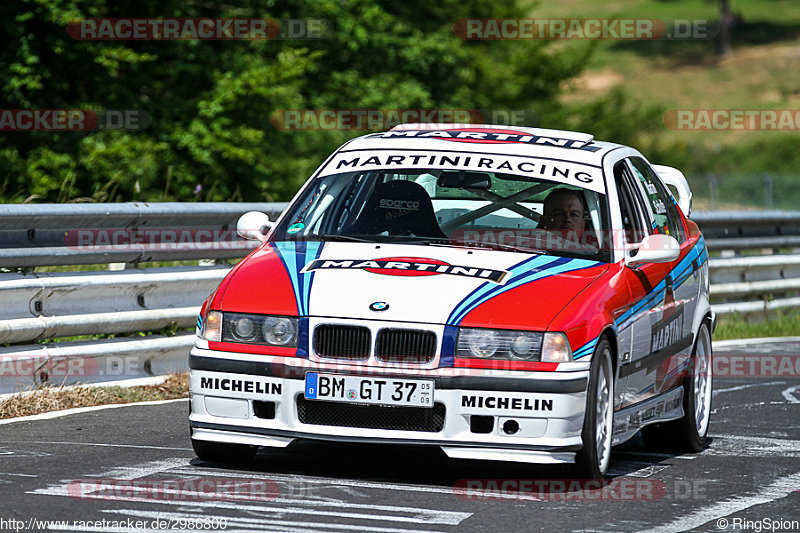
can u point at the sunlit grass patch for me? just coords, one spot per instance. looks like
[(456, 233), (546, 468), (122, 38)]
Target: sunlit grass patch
[(46, 399)]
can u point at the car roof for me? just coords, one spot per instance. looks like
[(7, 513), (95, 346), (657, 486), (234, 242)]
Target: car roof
[(494, 138)]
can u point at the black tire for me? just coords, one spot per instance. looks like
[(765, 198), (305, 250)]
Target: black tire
[(223, 452), (688, 434), (593, 459)]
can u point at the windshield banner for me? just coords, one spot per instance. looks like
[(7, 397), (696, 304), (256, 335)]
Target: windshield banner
[(568, 173)]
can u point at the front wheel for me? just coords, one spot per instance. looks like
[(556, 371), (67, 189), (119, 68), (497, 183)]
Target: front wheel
[(594, 457), (690, 432)]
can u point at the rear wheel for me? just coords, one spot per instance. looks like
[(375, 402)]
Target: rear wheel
[(690, 432), (593, 459), (223, 452)]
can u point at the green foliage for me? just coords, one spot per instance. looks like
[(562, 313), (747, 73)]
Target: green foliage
[(211, 101), (780, 324)]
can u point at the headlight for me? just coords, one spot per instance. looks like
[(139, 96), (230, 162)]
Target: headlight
[(499, 344), (259, 329), (212, 326), (280, 331), (243, 328), (481, 342), (556, 348)]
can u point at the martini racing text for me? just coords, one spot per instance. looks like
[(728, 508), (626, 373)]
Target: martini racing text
[(585, 176), (498, 276)]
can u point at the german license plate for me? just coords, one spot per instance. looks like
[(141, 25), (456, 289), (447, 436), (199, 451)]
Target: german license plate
[(371, 390)]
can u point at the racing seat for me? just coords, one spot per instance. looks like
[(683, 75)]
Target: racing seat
[(398, 207)]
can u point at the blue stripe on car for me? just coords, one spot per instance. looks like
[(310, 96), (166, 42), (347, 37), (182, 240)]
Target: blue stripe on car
[(294, 256), (680, 273), (449, 338), (529, 270)]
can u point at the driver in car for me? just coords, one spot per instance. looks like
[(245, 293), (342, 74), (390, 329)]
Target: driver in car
[(565, 215)]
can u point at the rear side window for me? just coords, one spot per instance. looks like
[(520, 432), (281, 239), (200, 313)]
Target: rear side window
[(662, 204)]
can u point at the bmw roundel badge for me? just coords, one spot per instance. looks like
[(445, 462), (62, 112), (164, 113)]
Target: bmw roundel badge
[(379, 306)]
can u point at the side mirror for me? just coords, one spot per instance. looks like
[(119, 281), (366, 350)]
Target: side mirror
[(654, 249), (254, 225), (675, 178)]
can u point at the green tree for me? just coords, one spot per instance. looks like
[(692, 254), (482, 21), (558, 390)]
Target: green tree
[(211, 101)]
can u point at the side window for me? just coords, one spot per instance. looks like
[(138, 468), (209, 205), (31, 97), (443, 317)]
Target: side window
[(661, 201), (633, 220)]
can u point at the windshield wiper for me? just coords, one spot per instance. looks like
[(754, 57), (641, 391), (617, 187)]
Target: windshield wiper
[(500, 246), (339, 238)]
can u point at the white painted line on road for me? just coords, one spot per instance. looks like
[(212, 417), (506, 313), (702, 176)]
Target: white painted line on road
[(742, 387), (295, 507), (77, 410), (729, 446), (633, 468), (20, 475), (789, 394), (6, 452), (651, 455), (780, 488), (324, 481), (743, 405), (410, 514), (141, 470), (236, 521), (752, 446), (281, 505), (733, 343)]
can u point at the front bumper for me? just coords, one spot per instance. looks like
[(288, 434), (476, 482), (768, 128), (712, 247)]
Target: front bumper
[(231, 390)]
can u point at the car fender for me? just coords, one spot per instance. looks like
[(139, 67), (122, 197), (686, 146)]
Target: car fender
[(593, 311)]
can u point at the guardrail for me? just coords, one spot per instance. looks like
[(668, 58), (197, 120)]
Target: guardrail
[(753, 285), (42, 306)]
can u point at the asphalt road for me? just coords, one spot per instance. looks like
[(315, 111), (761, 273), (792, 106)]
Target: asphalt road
[(135, 464)]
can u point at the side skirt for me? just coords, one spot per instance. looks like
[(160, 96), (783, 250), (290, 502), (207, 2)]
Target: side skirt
[(662, 408)]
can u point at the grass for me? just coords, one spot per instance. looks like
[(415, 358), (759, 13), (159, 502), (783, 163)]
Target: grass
[(759, 73), (737, 327), (46, 399)]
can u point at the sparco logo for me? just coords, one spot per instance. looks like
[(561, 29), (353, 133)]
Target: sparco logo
[(398, 204), (408, 266)]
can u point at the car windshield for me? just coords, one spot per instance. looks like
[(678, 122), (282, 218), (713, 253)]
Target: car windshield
[(451, 208)]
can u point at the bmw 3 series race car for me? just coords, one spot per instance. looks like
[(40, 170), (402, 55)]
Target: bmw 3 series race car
[(503, 293)]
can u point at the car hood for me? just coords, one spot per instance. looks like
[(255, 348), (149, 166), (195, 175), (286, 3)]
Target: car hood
[(407, 283)]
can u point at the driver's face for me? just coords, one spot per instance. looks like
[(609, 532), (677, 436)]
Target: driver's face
[(565, 212)]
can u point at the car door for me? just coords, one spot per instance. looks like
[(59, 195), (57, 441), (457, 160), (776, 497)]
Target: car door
[(672, 334), (671, 294), (633, 325)]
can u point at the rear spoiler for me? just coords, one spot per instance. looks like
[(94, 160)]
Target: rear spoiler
[(675, 178)]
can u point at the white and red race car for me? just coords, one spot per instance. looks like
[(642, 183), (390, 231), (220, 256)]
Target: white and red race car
[(504, 293)]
